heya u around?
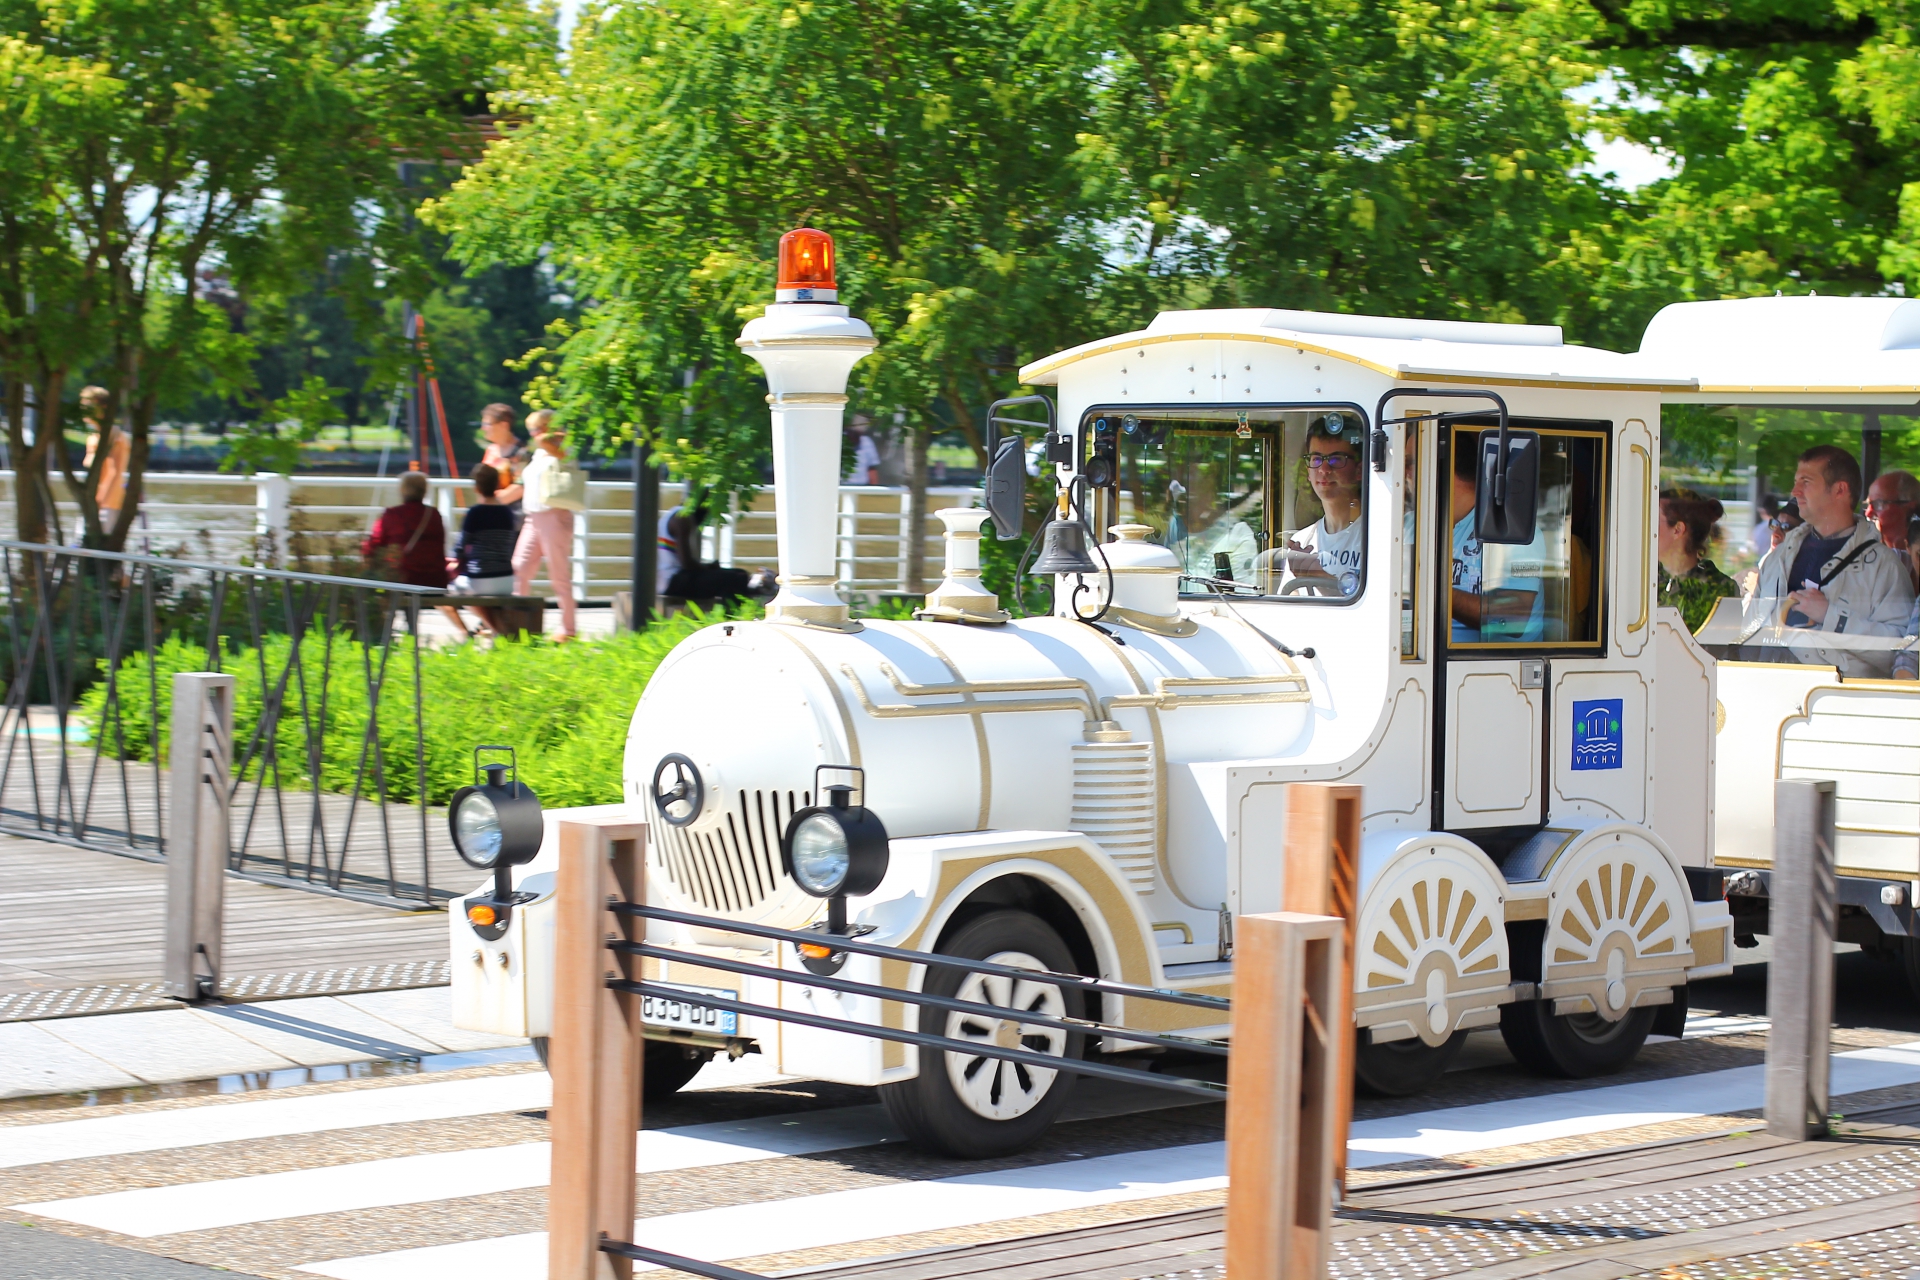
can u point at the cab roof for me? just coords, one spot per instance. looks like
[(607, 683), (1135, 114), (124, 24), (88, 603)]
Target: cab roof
[(1790, 350), (1439, 351)]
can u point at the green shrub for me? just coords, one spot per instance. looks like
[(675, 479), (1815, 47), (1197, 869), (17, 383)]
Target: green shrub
[(564, 708)]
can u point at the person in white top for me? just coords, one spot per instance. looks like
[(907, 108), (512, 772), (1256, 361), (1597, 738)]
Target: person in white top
[(1328, 552), (546, 530)]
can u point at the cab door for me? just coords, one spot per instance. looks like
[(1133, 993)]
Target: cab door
[(1505, 613)]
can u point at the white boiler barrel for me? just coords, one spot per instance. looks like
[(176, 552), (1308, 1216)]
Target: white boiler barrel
[(958, 728)]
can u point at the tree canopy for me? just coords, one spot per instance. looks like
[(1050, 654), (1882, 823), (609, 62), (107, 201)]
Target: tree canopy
[(179, 158)]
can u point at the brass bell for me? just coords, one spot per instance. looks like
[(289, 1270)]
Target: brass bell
[(1065, 549)]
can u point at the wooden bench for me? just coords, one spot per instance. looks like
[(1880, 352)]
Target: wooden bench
[(512, 616)]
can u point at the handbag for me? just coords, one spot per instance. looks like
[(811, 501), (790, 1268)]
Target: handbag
[(562, 486), (389, 562)]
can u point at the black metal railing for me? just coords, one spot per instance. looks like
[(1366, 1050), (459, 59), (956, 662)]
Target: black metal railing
[(1088, 1029), (330, 786)]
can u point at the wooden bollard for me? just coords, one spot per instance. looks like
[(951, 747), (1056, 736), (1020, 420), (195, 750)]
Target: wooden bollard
[(1283, 1084), (596, 1049), (1323, 879)]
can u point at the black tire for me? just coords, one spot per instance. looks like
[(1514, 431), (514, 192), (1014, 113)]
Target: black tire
[(1910, 964), (1401, 1068), (1574, 1047), (931, 1108), (667, 1070)]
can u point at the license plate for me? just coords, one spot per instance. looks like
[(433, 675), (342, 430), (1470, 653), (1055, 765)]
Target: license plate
[(662, 1012)]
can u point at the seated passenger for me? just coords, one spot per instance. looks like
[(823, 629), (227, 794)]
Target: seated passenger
[(1906, 663), (1688, 581), (1497, 600), (1832, 574), (1328, 553)]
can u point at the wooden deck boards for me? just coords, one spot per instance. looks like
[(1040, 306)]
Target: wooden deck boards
[(1659, 1210), (78, 918)]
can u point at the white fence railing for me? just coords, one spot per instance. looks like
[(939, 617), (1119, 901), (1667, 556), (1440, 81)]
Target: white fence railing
[(316, 524)]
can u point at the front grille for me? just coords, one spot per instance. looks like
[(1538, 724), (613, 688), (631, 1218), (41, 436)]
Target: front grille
[(733, 865)]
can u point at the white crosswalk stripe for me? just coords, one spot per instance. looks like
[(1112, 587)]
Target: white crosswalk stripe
[(157, 1199)]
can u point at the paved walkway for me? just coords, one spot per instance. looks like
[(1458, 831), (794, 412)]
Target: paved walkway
[(279, 1042), (84, 929), (444, 1178)]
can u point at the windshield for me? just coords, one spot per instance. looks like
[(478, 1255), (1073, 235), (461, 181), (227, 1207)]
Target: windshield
[(1253, 502)]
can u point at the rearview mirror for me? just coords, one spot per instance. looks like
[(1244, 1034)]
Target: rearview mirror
[(1006, 487), (1507, 519)]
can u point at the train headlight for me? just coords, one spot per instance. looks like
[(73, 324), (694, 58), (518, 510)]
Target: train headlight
[(836, 850), (495, 823)]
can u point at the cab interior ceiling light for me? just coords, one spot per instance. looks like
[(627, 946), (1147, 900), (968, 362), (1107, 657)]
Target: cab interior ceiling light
[(495, 827)]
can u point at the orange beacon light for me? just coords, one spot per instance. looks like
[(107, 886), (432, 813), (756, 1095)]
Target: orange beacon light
[(806, 268)]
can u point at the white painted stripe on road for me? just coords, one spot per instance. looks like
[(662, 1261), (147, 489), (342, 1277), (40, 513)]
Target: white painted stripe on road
[(811, 1222), (1458, 1130), (373, 1184), (743, 1231), (274, 1118)]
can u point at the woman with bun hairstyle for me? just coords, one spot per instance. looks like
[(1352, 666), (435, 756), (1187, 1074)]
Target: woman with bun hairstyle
[(1689, 581)]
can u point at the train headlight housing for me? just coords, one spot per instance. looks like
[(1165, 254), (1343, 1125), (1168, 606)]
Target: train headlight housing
[(836, 850), (495, 823)]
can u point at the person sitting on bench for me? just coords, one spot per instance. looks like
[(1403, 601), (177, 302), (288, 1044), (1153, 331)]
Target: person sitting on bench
[(483, 553)]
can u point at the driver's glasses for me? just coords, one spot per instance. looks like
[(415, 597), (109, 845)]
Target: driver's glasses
[(1876, 505), (1331, 461)]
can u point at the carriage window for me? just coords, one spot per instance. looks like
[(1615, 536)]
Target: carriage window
[(1547, 592), (1260, 502), (1410, 558)]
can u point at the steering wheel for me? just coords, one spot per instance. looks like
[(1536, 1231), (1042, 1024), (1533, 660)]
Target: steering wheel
[(679, 793), (1292, 585)]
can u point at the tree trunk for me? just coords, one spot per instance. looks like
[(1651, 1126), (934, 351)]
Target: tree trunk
[(918, 438), (29, 511)]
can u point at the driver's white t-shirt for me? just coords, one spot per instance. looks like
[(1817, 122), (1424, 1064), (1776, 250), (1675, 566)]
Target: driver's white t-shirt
[(1339, 553)]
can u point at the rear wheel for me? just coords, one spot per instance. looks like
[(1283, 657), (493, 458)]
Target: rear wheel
[(1575, 1045), (1399, 1068), (975, 1107), (1910, 962), (668, 1068)]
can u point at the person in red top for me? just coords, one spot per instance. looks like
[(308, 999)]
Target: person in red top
[(409, 543)]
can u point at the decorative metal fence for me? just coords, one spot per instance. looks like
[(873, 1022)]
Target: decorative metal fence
[(329, 780)]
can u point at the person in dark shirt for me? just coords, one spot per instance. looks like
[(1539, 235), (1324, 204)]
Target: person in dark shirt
[(483, 553), (408, 544)]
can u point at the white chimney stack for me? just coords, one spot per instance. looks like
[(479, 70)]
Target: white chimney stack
[(808, 344)]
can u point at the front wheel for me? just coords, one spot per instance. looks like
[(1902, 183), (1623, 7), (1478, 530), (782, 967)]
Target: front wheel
[(1400, 1068), (668, 1068), (972, 1106), (1574, 1046)]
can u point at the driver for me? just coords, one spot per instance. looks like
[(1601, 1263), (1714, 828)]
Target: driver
[(1328, 551)]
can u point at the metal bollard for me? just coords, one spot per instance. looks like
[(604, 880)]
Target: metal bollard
[(199, 795), (1804, 910)]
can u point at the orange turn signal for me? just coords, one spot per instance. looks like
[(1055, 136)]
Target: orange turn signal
[(481, 914), (814, 952)]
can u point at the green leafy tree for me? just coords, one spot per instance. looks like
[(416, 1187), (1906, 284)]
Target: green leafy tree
[(932, 139), (185, 154), (1391, 156), (1790, 129)]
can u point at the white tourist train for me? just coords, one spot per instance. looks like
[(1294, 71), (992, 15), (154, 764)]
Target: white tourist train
[(1289, 587)]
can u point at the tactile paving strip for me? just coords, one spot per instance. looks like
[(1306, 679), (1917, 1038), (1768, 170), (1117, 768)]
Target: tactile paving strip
[(1423, 1245), (1893, 1254), (128, 997), (72, 1002)]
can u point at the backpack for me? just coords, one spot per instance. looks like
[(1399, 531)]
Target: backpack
[(562, 485)]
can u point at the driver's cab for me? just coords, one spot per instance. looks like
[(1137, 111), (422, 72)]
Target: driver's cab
[(1326, 478)]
